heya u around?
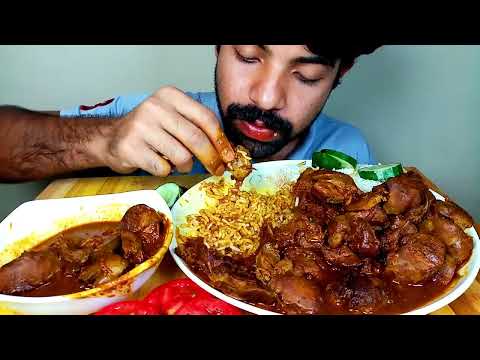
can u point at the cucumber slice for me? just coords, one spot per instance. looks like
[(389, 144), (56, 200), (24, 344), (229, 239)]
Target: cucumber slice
[(331, 159), (170, 192), (380, 172)]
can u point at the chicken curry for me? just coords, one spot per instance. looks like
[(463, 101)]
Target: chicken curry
[(86, 256)]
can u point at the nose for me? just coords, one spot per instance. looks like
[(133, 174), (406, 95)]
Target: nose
[(267, 92)]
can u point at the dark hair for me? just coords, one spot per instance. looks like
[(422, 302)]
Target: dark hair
[(347, 54)]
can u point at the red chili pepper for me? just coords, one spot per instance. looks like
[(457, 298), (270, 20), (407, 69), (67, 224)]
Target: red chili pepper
[(208, 306), (169, 297), (130, 307)]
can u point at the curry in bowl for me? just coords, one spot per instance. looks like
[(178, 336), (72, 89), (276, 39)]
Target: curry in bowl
[(86, 256)]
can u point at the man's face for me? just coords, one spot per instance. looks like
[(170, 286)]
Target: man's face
[(269, 94)]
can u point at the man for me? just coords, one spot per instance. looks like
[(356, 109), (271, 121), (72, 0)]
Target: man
[(268, 98)]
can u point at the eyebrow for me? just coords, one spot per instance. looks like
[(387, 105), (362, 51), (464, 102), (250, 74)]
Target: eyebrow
[(315, 59)]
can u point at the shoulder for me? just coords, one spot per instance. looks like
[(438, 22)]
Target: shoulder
[(121, 105), (328, 132), (206, 98), (114, 107)]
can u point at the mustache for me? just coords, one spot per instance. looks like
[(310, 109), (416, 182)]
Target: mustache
[(251, 113)]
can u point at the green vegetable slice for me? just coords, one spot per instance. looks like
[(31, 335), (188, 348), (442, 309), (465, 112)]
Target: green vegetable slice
[(380, 172), (170, 192), (332, 159)]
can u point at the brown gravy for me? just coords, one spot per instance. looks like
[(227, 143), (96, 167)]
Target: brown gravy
[(66, 281)]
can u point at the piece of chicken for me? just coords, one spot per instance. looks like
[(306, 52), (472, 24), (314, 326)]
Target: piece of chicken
[(241, 165), (142, 232), (368, 206), (418, 260), (296, 295), (405, 192), (356, 233), (334, 187), (29, 271), (104, 270), (454, 212), (392, 238), (459, 244)]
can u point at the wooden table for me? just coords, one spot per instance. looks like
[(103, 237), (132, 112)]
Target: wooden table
[(467, 304)]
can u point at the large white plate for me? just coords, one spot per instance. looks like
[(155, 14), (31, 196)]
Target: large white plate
[(269, 176)]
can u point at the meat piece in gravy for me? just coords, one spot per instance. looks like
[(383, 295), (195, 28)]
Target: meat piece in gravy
[(316, 209), (334, 187), (459, 244), (356, 233), (299, 232), (296, 295), (341, 256), (368, 207), (266, 260), (338, 231), (141, 233), (359, 295), (446, 273), (362, 239), (390, 241), (368, 295), (454, 212), (405, 192), (416, 262), (369, 200), (376, 216), (310, 265), (29, 271), (416, 214), (104, 270), (241, 288)]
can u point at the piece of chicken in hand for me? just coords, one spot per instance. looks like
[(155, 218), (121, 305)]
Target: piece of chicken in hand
[(241, 166)]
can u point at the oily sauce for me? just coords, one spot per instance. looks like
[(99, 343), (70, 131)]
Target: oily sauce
[(66, 281)]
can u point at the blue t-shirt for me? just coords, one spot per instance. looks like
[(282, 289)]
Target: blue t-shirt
[(324, 133)]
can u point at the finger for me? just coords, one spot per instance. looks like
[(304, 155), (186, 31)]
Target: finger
[(196, 141), (205, 119), (171, 148), (153, 163)]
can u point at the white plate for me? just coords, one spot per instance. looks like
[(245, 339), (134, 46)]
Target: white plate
[(269, 176)]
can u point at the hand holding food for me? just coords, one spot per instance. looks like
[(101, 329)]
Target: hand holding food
[(164, 132)]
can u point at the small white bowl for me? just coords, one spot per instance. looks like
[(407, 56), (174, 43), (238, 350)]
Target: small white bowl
[(35, 221)]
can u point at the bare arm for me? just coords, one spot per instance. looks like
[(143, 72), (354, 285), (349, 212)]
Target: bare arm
[(164, 132), (36, 145)]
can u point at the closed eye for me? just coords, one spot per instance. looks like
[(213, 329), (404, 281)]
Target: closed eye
[(306, 80), (248, 60)]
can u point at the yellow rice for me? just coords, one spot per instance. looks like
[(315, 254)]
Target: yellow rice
[(231, 224)]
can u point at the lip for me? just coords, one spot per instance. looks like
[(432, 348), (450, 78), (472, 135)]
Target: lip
[(256, 131)]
